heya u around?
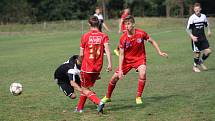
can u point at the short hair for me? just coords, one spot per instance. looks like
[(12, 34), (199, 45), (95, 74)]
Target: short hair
[(197, 5), (93, 21), (129, 18)]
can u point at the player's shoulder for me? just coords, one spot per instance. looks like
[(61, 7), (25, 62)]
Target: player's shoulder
[(140, 31), (203, 15)]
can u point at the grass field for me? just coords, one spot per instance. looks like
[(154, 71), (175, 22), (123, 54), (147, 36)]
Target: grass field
[(29, 54)]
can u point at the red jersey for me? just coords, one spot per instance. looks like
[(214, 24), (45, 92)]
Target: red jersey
[(133, 45), (124, 15), (93, 44)]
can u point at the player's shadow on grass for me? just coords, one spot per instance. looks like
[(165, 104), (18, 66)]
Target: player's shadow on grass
[(125, 104)]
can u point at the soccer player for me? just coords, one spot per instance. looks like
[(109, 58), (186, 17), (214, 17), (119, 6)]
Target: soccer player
[(67, 76), (195, 29), (98, 14), (122, 28), (132, 55), (92, 48)]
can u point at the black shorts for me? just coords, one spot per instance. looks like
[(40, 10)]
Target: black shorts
[(66, 88), (200, 45)]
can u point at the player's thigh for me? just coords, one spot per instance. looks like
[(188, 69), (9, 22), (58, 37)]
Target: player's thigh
[(207, 51), (88, 79), (66, 88)]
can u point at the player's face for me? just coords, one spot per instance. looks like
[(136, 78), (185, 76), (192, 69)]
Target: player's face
[(98, 11), (129, 25), (197, 10)]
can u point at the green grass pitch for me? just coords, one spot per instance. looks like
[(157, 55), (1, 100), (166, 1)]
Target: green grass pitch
[(29, 54)]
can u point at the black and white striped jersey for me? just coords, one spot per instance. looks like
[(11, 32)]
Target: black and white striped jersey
[(197, 24)]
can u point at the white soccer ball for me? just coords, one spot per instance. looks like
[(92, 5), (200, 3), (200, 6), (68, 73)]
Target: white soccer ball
[(16, 89)]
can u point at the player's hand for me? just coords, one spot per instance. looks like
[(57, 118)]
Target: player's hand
[(109, 68), (209, 33), (163, 54), (120, 74), (194, 38)]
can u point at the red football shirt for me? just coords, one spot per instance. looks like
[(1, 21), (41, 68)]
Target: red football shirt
[(93, 44), (124, 15), (133, 45)]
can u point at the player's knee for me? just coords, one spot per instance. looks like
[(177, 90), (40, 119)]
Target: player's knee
[(73, 96), (196, 54), (207, 51)]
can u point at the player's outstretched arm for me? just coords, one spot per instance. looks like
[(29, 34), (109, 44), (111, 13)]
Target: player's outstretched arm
[(155, 45), (75, 85), (109, 58), (121, 58)]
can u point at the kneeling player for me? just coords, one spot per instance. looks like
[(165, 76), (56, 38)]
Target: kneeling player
[(67, 76)]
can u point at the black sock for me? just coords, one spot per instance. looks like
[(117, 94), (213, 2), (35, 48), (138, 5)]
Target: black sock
[(204, 57), (197, 61)]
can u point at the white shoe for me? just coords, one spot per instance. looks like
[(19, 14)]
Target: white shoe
[(203, 67), (196, 69)]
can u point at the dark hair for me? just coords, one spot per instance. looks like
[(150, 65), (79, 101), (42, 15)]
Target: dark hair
[(197, 5), (93, 21), (129, 18)]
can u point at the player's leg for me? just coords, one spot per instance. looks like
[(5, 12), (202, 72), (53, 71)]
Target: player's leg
[(206, 51), (111, 87), (88, 80), (67, 89), (196, 56), (114, 79), (141, 83), (81, 102)]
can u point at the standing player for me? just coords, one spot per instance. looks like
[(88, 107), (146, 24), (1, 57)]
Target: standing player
[(132, 55), (67, 76), (92, 48), (195, 29), (122, 28), (98, 14)]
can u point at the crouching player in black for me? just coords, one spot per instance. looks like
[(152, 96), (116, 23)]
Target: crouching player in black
[(67, 76)]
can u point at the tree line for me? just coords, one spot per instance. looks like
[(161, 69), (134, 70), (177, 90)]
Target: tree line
[(31, 11)]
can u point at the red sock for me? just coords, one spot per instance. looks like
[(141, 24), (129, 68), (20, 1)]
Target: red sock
[(81, 102), (92, 96), (111, 87), (141, 85)]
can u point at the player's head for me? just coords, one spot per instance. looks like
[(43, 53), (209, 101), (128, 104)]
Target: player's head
[(197, 8), (93, 21), (98, 10), (75, 59), (129, 22), (126, 11)]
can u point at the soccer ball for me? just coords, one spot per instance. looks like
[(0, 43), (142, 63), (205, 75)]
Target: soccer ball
[(16, 89)]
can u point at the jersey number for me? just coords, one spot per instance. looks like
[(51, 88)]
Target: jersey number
[(94, 51)]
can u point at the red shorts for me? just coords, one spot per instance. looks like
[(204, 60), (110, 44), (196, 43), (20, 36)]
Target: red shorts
[(126, 67), (88, 79)]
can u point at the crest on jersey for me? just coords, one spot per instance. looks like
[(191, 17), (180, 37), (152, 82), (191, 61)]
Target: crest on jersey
[(139, 40), (127, 44)]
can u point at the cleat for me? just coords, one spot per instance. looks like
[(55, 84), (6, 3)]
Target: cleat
[(100, 107), (203, 67), (139, 100), (196, 69), (78, 111), (116, 52), (105, 99)]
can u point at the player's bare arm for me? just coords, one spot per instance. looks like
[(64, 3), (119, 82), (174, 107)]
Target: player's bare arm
[(194, 38), (121, 58), (107, 50), (155, 45)]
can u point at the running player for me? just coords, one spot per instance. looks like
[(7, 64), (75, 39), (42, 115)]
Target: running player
[(122, 28), (195, 29), (98, 14), (132, 55), (92, 48), (67, 76)]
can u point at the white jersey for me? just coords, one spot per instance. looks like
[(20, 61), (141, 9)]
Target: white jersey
[(197, 24)]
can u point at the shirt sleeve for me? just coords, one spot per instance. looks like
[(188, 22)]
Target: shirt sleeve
[(146, 36), (206, 21), (190, 23)]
